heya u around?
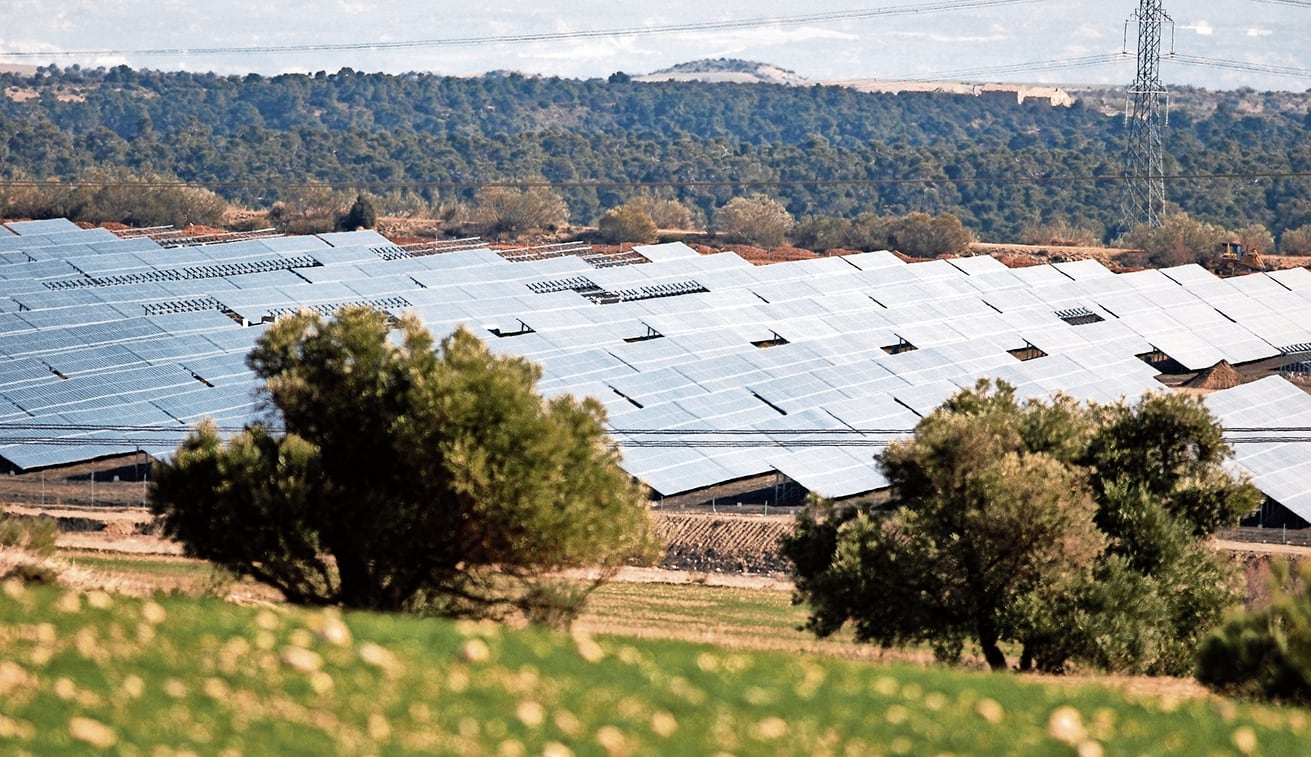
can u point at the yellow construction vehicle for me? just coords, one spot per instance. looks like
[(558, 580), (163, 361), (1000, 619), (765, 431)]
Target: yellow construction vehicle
[(1233, 258)]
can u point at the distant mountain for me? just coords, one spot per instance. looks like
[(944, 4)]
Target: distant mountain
[(727, 70)]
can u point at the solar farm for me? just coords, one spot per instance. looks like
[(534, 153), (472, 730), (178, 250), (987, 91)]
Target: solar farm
[(712, 370)]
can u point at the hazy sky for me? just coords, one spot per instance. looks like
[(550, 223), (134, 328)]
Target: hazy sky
[(992, 40)]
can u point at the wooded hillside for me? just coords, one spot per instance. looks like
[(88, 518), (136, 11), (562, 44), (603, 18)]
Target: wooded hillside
[(999, 166)]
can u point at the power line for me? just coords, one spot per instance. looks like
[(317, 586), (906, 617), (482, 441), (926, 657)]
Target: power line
[(126, 435), (1085, 61), (501, 39), (1092, 61), (688, 184), (1239, 65)]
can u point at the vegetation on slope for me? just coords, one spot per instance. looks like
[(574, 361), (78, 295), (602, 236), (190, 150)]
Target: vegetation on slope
[(822, 150), (91, 672)]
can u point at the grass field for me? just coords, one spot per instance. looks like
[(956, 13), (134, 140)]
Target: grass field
[(90, 672)]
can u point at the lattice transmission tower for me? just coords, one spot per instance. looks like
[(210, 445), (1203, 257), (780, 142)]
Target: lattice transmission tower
[(1144, 160)]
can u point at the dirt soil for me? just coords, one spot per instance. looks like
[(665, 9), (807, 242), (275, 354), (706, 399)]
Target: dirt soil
[(707, 542)]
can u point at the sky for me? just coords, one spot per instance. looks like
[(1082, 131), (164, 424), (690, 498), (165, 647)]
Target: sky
[(1260, 44)]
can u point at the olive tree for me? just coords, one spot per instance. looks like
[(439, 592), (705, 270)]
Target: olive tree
[(1179, 239), (627, 223), (1076, 532), (1296, 241), (395, 474), (509, 213), (758, 219)]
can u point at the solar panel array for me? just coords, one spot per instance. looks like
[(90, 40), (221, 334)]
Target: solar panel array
[(1267, 417), (711, 369)]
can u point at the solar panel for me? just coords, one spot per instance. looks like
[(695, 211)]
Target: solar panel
[(44, 227), (698, 341), (1281, 469)]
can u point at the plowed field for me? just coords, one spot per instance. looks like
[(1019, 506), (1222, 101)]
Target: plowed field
[(723, 543)]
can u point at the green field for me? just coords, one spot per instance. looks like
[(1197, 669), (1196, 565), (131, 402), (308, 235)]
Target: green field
[(84, 673)]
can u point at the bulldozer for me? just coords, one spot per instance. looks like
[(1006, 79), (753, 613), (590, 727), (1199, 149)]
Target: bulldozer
[(1232, 259)]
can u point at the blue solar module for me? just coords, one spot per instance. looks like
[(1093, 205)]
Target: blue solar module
[(698, 341), (49, 226)]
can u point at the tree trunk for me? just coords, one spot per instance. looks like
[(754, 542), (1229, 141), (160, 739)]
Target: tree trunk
[(1026, 659), (988, 641), (357, 589)]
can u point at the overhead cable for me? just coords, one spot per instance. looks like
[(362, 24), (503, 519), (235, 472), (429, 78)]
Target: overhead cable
[(502, 39)]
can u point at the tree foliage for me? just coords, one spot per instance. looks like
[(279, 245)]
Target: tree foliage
[(1265, 653), (404, 477), (310, 208), (362, 215), (921, 235), (627, 223), (758, 219), (668, 213), (1296, 241), (1178, 240), (1074, 531), (918, 235), (250, 137), (1060, 233), (501, 212), (113, 195)]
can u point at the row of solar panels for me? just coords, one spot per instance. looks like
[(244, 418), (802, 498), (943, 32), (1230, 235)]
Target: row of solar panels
[(777, 353)]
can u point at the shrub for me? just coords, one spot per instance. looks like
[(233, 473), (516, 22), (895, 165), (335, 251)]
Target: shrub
[(1296, 241), (1265, 653), (36, 535), (918, 235), (757, 220), (508, 213), (1178, 240), (1060, 234), (627, 223), (822, 233), (362, 215), (30, 540)]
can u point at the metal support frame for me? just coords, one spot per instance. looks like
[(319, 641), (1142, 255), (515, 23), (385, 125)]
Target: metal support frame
[(1143, 201)]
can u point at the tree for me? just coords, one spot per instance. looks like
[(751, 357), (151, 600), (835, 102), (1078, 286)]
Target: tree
[(504, 212), (1162, 491), (987, 526), (627, 223), (1075, 531), (1178, 240), (1265, 653), (310, 208), (668, 213), (405, 477), (918, 235), (362, 215), (1296, 241), (1255, 237), (822, 233), (921, 235), (758, 220)]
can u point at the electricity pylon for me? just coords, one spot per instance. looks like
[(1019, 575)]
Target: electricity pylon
[(1144, 160)]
